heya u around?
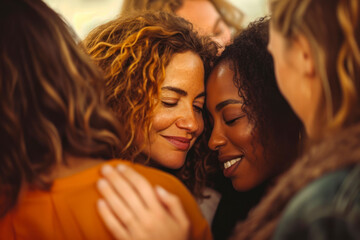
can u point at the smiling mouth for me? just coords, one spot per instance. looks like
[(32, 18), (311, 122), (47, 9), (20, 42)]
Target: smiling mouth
[(231, 162), (180, 143)]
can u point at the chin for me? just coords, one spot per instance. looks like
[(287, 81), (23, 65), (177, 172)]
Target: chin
[(243, 186), (173, 162)]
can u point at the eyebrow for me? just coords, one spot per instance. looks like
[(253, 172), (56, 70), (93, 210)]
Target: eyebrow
[(181, 92), (221, 105)]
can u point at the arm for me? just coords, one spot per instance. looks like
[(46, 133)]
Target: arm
[(133, 209)]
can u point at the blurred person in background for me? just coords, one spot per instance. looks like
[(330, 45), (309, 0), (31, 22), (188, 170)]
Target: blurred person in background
[(218, 19)]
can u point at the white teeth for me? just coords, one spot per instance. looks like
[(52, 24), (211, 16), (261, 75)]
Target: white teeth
[(231, 162)]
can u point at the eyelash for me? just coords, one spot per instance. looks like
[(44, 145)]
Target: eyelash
[(169, 105), (232, 121), (166, 104), (198, 109)]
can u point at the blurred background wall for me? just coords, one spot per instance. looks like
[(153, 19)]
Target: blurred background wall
[(84, 15)]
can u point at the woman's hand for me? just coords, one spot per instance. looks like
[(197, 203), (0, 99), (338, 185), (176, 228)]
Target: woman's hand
[(133, 209)]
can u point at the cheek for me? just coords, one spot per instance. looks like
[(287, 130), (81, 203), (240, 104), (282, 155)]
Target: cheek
[(200, 121), (162, 119), (242, 135), (282, 78)]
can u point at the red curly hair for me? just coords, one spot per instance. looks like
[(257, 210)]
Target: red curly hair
[(134, 52)]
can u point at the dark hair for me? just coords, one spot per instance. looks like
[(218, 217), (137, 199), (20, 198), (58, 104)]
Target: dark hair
[(133, 51), (274, 121), (48, 104)]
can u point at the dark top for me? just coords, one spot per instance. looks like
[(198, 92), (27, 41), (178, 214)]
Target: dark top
[(234, 207)]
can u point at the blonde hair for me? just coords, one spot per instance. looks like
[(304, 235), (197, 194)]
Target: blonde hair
[(335, 46), (231, 15), (133, 52)]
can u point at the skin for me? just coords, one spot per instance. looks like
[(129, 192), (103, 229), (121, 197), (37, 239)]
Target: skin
[(233, 136), (178, 118), (206, 20), (296, 76), (132, 205)]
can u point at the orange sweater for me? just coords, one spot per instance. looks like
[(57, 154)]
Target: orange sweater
[(68, 210)]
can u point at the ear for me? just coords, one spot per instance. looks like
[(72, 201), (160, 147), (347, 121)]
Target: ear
[(305, 56)]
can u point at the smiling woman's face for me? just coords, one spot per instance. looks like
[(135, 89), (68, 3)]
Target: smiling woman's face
[(239, 150), (178, 119)]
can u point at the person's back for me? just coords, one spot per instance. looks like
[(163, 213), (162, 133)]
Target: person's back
[(68, 210)]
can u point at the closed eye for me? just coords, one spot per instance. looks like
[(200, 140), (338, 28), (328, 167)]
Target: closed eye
[(198, 109), (169, 104), (233, 121)]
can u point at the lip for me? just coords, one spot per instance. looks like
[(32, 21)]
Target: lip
[(180, 143), (230, 172)]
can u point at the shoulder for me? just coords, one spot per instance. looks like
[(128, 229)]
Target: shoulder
[(327, 208)]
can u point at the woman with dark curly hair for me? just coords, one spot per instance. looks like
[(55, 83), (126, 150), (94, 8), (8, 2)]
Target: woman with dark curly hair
[(56, 133), (254, 131), (154, 65)]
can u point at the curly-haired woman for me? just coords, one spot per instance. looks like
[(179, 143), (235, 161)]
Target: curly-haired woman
[(254, 131), (56, 133), (155, 65)]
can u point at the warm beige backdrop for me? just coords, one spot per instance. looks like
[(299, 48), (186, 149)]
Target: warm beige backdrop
[(83, 15)]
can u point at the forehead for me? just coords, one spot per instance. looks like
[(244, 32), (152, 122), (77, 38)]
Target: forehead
[(185, 70), (201, 13), (220, 85)]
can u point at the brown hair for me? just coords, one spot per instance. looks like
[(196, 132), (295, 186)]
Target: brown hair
[(231, 15), (48, 104), (133, 52), (335, 44)]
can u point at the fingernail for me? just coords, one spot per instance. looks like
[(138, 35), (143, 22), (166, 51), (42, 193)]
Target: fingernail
[(121, 167), (101, 183), (161, 191), (106, 169)]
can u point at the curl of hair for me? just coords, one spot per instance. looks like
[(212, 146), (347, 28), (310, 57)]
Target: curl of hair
[(231, 15), (48, 104), (133, 52)]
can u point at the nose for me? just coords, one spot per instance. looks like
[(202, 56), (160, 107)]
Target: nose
[(217, 139), (189, 121)]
